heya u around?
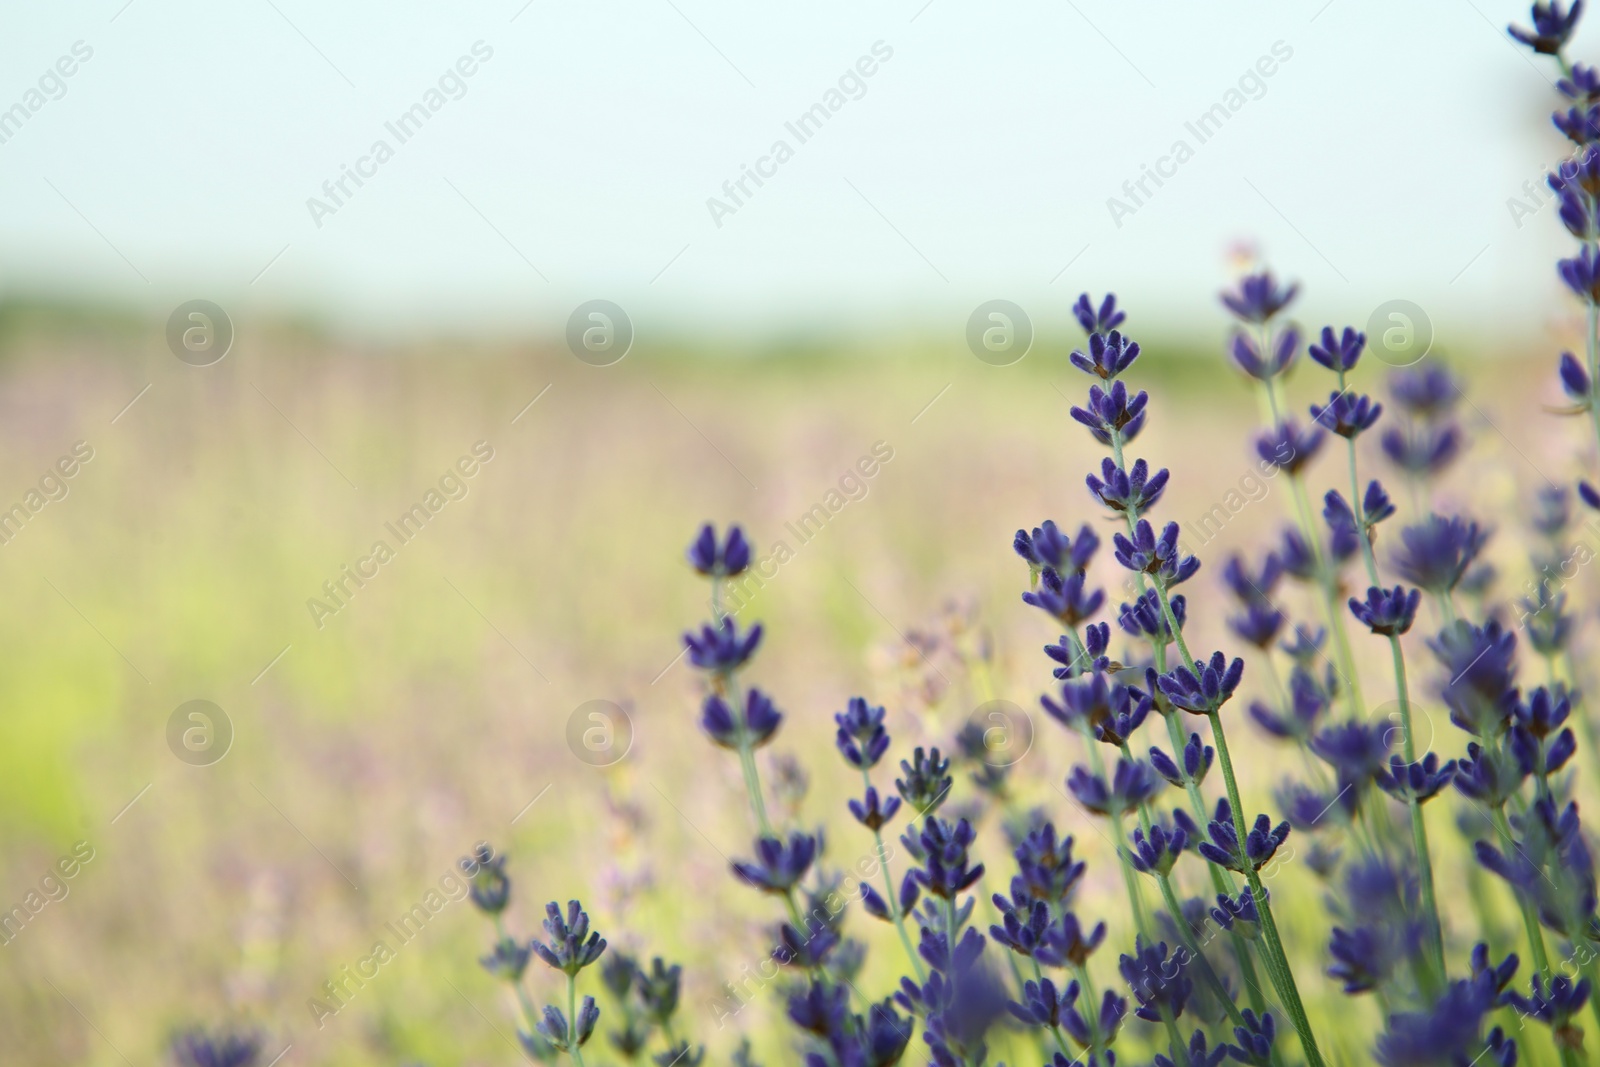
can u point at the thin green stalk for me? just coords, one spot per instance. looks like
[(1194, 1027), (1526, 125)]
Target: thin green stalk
[(1419, 829), (1287, 990), (1221, 880), (1330, 603), (526, 1002), (1180, 1051), (893, 898), (1193, 949), (1530, 920), (1055, 1030), (1277, 960), (1092, 1016), (1590, 347), (1591, 971), (1361, 518), (572, 1021)]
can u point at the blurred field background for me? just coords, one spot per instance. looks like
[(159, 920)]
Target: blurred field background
[(432, 709)]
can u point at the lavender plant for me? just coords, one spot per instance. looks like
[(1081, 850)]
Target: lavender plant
[(1225, 975)]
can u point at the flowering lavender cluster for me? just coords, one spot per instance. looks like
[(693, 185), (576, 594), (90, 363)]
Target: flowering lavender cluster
[(1213, 976), (1210, 967), (646, 1000)]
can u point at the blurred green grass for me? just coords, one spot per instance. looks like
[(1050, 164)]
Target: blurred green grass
[(429, 711)]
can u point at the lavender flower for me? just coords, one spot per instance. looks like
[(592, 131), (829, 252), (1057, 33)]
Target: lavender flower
[(1101, 320), (572, 946), (1109, 355), (927, 781), (1422, 452), (1255, 1039), (1436, 552), (753, 724), (1068, 600), (946, 870), (491, 888), (862, 739), (1425, 391), (1149, 554), (1131, 783), (1246, 352), (872, 813), (1338, 352), (1387, 612), (1196, 759), (779, 865), (1112, 412), (1259, 846), (1205, 689), (1346, 413), (1135, 490), (721, 649), (1289, 448), (726, 560), (1419, 781), (1158, 982), (1156, 852), (1553, 24), (224, 1048), (1259, 298), (554, 1029)]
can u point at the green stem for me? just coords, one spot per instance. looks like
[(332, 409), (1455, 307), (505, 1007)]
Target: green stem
[(1530, 920), (893, 898), (1180, 1051), (1278, 959), (1419, 829), (530, 1015), (1361, 519), (1193, 949), (1092, 1015), (1330, 602), (572, 1021), (1593, 361)]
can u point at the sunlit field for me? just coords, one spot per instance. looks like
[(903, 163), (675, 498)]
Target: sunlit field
[(384, 711)]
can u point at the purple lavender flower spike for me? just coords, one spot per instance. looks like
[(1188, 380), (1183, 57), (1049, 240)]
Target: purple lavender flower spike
[(1111, 411), (730, 558), (862, 739), (1159, 982), (1259, 846), (1109, 355), (1102, 320), (1425, 391), (779, 865), (1436, 552), (1259, 298), (1247, 354), (1148, 554), (1419, 781), (1347, 413), (1387, 612), (1206, 691), (572, 946), (754, 723), (1135, 490), (1289, 448), (1338, 352), (1131, 782), (1553, 24), (722, 649)]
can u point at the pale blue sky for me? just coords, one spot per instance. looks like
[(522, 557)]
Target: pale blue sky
[(1377, 162)]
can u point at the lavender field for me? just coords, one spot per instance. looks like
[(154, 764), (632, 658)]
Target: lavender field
[(725, 538)]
